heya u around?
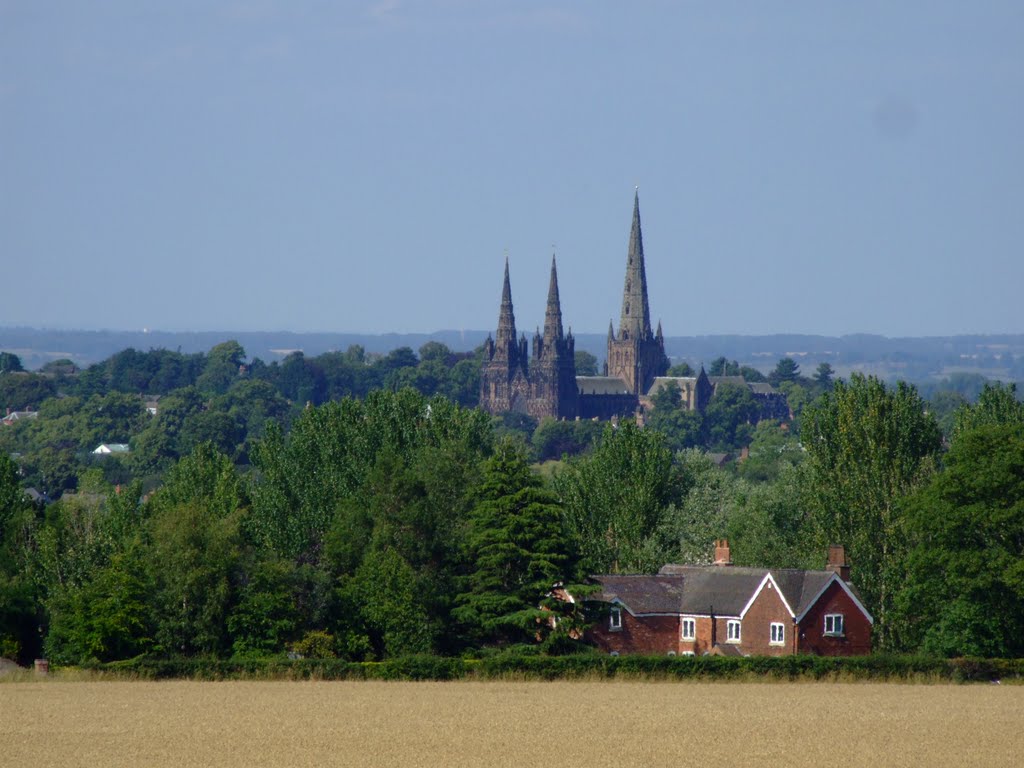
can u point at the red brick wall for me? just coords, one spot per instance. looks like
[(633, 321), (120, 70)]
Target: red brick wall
[(856, 639), (639, 634), (756, 629)]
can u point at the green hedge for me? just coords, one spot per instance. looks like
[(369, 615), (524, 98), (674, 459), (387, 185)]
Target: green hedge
[(576, 667)]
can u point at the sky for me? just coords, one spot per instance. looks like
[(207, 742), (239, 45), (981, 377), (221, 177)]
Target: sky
[(803, 167)]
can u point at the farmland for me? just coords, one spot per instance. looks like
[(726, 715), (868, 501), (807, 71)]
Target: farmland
[(185, 723)]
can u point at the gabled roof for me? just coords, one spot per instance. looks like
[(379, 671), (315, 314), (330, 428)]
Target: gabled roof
[(601, 385), (725, 590), (683, 382), (642, 594)]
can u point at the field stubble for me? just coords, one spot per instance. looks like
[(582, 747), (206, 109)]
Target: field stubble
[(185, 723)]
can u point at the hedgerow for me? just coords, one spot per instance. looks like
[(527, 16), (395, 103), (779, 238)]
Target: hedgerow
[(575, 667)]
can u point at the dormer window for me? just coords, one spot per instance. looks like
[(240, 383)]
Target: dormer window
[(615, 619)]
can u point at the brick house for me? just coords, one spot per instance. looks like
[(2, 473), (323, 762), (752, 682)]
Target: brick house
[(722, 609)]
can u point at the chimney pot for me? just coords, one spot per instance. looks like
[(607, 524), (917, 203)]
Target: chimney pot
[(722, 556), (837, 561)]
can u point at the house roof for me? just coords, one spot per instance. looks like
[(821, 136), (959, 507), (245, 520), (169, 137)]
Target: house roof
[(601, 385), (643, 594), (112, 448), (701, 589)]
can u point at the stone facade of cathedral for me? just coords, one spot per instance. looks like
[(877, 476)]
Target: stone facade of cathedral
[(546, 384)]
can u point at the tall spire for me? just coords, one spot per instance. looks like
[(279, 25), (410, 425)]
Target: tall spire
[(553, 314), (506, 342), (635, 322)]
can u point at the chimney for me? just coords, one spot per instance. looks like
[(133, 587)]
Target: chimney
[(837, 561), (722, 552)]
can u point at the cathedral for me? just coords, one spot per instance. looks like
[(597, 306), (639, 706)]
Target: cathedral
[(545, 383)]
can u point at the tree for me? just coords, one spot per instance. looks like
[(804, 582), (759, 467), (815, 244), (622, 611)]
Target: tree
[(867, 447), (823, 376), (681, 427), (772, 449), (996, 405), (730, 416), (786, 369), (194, 553), (682, 369), (222, 366), (515, 545), (22, 391), (722, 367), (10, 363), (586, 363), (964, 592), (615, 497)]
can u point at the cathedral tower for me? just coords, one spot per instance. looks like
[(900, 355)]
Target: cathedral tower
[(636, 354), (504, 377), (553, 368)]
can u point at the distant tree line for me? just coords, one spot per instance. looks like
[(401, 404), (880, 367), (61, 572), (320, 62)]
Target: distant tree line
[(245, 523)]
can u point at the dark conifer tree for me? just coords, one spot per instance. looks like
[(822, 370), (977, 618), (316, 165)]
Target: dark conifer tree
[(517, 553)]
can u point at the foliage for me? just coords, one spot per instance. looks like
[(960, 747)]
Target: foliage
[(586, 363), (615, 498), (964, 594), (515, 545), (730, 416), (996, 405), (10, 363), (786, 369), (867, 447), (772, 449), (681, 369), (555, 438)]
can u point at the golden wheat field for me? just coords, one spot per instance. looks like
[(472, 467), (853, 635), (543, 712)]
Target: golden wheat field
[(50, 723)]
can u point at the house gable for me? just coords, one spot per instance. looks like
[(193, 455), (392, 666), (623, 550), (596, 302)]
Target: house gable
[(846, 588), (772, 585)]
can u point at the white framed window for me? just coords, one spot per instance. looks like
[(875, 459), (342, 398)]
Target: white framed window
[(732, 631), (615, 618), (689, 629), (778, 633), (833, 624), (689, 653)]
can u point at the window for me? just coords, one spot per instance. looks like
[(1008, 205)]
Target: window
[(732, 631), (615, 619), (778, 633), (689, 653), (833, 624), (689, 629)]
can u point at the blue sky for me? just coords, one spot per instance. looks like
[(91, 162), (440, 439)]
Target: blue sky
[(807, 166)]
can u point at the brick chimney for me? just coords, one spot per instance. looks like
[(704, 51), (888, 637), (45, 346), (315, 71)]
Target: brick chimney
[(837, 561), (722, 556)]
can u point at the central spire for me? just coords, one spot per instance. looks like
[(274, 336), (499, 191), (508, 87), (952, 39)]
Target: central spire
[(635, 322), (553, 314)]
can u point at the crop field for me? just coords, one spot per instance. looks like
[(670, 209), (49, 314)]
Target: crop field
[(50, 723)]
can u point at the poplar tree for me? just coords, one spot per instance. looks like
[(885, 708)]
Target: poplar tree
[(867, 446)]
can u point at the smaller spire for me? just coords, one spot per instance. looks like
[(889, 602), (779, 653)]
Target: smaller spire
[(611, 330), (553, 313)]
